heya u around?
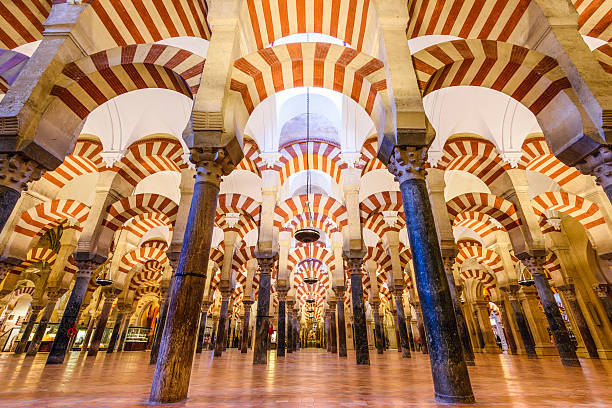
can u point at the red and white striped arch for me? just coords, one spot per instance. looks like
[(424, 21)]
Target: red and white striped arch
[(483, 256), (140, 255), (377, 224), (480, 275), (484, 19), (147, 290), (352, 21), (493, 206), (91, 81), (241, 256), (251, 161), (528, 76), (121, 211), (85, 159), (146, 21), (238, 203), (538, 157), (594, 18), (33, 256), (48, 215), (143, 223), (603, 54), (24, 290), (345, 70), (478, 222), (319, 203), (383, 201), (315, 252), (11, 64), (21, 21), (147, 277), (368, 160), (320, 155), (320, 221)]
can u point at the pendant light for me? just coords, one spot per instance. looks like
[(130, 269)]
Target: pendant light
[(104, 278), (308, 234), (523, 280)]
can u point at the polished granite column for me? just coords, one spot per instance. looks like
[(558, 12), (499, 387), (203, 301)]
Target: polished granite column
[(327, 332), (462, 329), (296, 331), (53, 297), (401, 323), (161, 320), (282, 322), (110, 294), (521, 320), (362, 353), (175, 358), (507, 328), (289, 328), (421, 329), (339, 290), (332, 327), (378, 335), (121, 311), (565, 347), (569, 294), (124, 330), (479, 335), (73, 307), (16, 171), (260, 352), (202, 326), (35, 309), (222, 326), (89, 332), (449, 370), (244, 344)]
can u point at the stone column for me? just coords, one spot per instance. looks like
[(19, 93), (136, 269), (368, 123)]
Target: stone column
[(290, 340), (282, 322), (362, 352), (175, 359), (421, 329), (110, 294), (161, 321), (88, 333), (449, 370), (35, 309), (260, 352), (507, 327), (551, 309), (53, 297), (121, 311), (124, 331), (16, 171), (222, 326), (602, 291), (462, 329), (569, 293), (202, 327), (482, 310), (332, 327), (244, 344), (599, 164), (71, 313), (521, 320), (339, 290), (479, 335), (378, 334), (401, 323), (296, 331)]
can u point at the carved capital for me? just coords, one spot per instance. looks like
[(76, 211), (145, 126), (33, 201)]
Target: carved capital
[(86, 268), (211, 163), (448, 262), (339, 291), (569, 291), (601, 289), (511, 291), (5, 268), (535, 265), (266, 263), (17, 170), (54, 294), (110, 293), (407, 163), (599, 164), (354, 265)]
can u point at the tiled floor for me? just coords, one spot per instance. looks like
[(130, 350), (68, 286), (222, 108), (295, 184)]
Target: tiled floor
[(310, 378)]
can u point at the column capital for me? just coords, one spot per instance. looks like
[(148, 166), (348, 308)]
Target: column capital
[(569, 291), (407, 163), (282, 293), (511, 291), (17, 170), (598, 163), (266, 262), (211, 163), (339, 291), (55, 293), (448, 262), (601, 289), (535, 264), (354, 264), (110, 293), (87, 267)]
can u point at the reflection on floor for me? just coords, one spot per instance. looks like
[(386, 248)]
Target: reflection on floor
[(305, 379)]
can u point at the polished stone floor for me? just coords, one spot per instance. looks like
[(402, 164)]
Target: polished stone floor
[(309, 378)]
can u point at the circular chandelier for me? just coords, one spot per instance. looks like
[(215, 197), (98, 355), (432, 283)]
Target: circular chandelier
[(308, 234)]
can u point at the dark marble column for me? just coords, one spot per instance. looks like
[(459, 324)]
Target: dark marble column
[(44, 322), (521, 320), (260, 353), (244, 344), (362, 353), (462, 329), (341, 321), (90, 328), (332, 327), (421, 329), (569, 293), (398, 341), (161, 319), (202, 327), (566, 349), (109, 297), (175, 358), (112, 343), (282, 322), (507, 327), (124, 330), (410, 334), (449, 370), (327, 332), (378, 334), (35, 309), (296, 331), (401, 323), (222, 326), (290, 341), (16, 170), (602, 290), (481, 340), (71, 313)]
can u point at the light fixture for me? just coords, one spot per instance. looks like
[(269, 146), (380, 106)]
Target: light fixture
[(105, 279), (308, 234), (523, 280)]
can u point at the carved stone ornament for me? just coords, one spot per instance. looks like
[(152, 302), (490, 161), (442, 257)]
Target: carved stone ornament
[(211, 163), (407, 163), (598, 164), (16, 171), (535, 264)]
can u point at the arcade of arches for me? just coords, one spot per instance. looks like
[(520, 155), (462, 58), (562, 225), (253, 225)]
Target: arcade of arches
[(158, 157)]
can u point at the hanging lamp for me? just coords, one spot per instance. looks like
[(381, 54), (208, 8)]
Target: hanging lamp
[(310, 278), (308, 234), (523, 280), (104, 279)]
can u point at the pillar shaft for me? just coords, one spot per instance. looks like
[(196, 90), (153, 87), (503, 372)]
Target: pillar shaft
[(222, 327), (42, 327), (88, 333), (462, 329), (521, 321), (341, 324), (201, 330), (23, 343), (101, 326), (332, 331), (507, 328), (401, 325), (569, 294), (116, 331), (378, 335), (602, 290), (280, 343), (260, 352), (124, 330), (159, 327), (449, 370), (244, 344), (362, 354)]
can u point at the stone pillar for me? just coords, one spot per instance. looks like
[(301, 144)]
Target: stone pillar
[(378, 330), (244, 344), (53, 297), (296, 331), (332, 327), (462, 329), (290, 334), (507, 328), (175, 359), (521, 320), (339, 290), (282, 322), (421, 329), (110, 294), (602, 291), (551, 309), (202, 327), (260, 352), (479, 335), (71, 313), (161, 321), (16, 171), (569, 293), (599, 164), (222, 326), (482, 312), (124, 331), (404, 339), (88, 333), (35, 309), (362, 352), (121, 312)]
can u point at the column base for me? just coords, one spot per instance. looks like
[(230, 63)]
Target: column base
[(451, 399), (546, 350), (570, 362)]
